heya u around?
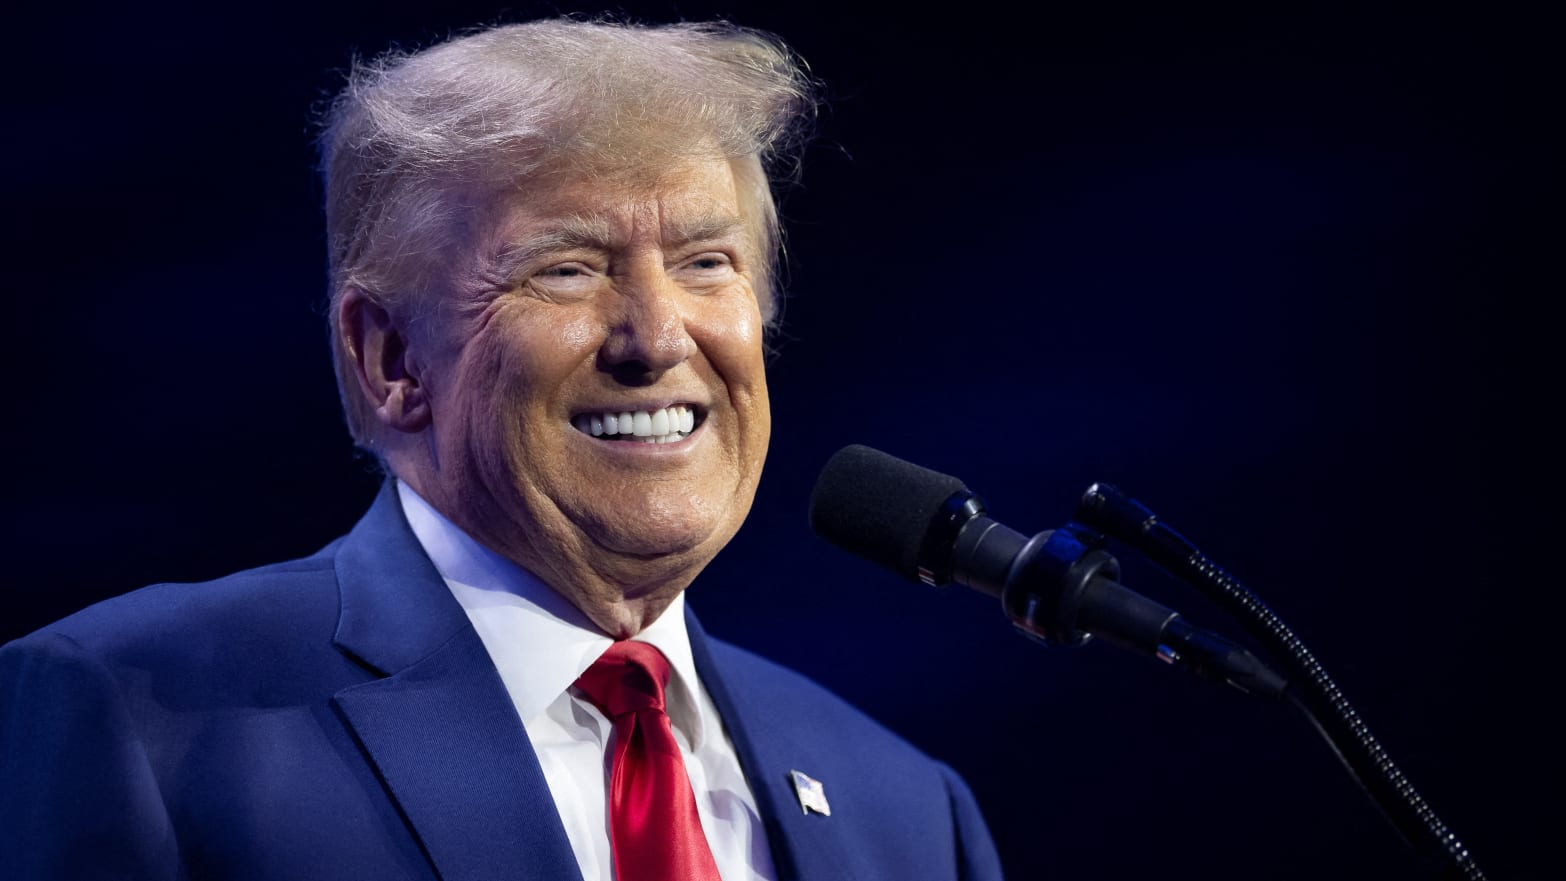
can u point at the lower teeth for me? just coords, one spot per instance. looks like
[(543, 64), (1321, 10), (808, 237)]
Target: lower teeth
[(647, 439)]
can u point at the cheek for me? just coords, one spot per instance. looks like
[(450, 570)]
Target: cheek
[(731, 338), (512, 374), (482, 427), (524, 356), (580, 335), (729, 333)]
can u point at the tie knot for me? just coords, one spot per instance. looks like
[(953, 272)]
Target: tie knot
[(630, 676)]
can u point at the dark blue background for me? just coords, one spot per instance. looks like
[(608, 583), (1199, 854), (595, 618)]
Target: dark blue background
[(1281, 274)]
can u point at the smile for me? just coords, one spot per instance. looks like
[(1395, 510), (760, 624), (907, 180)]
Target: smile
[(666, 425)]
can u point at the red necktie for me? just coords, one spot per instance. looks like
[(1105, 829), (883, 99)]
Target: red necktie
[(654, 829)]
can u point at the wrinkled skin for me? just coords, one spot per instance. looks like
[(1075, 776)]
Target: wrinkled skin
[(586, 293)]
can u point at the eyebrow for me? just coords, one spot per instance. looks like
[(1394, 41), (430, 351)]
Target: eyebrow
[(702, 228)]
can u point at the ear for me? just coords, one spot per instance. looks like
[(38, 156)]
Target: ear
[(379, 351)]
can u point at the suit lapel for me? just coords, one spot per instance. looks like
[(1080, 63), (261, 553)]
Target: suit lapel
[(442, 733), (804, 846), (439, 727)]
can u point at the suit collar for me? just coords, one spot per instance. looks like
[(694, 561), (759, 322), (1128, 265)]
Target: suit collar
[(444, 736), (539, 641), (395, 608), (439, 727), (803, 845)]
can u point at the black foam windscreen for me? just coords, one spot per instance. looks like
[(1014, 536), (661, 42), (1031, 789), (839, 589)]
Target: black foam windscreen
[(879, 506)]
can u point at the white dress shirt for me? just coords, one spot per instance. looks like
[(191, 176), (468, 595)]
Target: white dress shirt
[(541, 643)]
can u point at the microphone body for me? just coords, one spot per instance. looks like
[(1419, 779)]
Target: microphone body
[(1056, 587)]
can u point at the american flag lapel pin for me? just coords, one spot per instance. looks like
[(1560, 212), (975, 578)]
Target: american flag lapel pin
[(812, 795)]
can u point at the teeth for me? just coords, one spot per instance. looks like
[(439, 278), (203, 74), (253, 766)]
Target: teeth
[(662, 426)]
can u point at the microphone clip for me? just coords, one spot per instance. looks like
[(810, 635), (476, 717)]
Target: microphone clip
[(1048, 582)]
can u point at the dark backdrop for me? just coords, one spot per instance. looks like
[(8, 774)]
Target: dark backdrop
[(1280, 274)]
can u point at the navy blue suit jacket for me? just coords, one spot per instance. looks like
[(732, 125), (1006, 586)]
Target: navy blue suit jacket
[(338, 717)]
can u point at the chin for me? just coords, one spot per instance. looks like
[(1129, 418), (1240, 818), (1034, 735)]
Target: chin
[(651, 540), (685, 531)]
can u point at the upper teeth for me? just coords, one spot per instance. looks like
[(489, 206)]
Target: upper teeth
[(655, 426)]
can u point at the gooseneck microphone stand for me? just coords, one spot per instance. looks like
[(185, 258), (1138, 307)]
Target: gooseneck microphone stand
[(1106, 510), (1060, 587)]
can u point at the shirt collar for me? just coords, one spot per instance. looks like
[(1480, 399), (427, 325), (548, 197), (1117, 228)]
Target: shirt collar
[(540, 642)]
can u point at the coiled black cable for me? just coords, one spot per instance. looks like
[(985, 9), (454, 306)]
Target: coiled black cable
[(1311, 690)]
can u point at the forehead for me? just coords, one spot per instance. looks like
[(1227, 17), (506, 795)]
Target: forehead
[(683, 201)]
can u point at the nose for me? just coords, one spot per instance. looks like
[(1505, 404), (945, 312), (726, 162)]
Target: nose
[(647, 334)]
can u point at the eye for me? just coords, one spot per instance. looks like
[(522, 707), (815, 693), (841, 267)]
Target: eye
[(709, 262), (708, 267), (563, 280)]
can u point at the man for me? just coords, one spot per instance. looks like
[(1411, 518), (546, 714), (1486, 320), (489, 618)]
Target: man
[(551, 251)]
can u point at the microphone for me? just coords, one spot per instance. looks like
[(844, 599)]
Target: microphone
[(1057, 587)]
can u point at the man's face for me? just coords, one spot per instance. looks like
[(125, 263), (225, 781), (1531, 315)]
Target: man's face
[(595, 298)]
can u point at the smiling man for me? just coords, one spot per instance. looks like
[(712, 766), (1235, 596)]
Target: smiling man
[(592, 405), (551, 253)]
